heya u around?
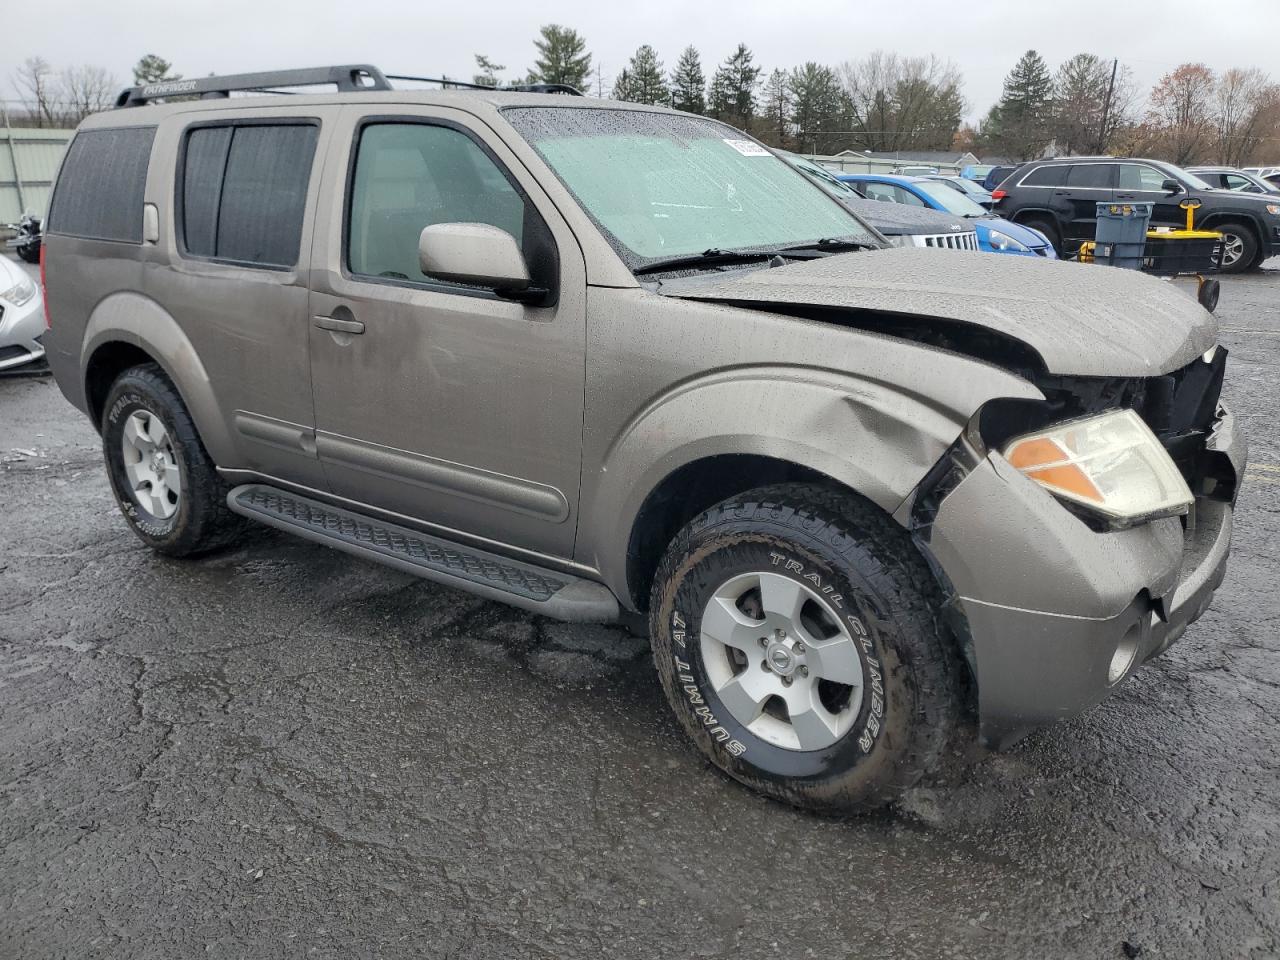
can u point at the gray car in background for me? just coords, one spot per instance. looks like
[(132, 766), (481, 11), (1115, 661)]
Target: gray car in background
[(612, 362), (901, 225)]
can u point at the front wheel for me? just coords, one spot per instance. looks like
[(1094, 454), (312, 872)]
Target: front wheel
[(1239, 246), (796, 633), (30, 252)]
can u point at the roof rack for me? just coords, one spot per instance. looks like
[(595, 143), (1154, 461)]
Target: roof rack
[(348, 79), (510, 88)]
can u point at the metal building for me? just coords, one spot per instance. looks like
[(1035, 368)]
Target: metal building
[(29, 161)]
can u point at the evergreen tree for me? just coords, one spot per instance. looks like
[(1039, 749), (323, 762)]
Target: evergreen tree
[(733, 89), (816, 103), (488, 72), (776, 109), (622, 85), (688, 85), (153, 69), (1023, 114), (644, 80), (562, 57)]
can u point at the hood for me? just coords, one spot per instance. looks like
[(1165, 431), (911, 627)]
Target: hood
[(1080, 319), (1024, 235), (896, 219)]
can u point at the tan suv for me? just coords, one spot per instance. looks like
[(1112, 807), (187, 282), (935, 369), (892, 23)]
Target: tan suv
[(603, 361)]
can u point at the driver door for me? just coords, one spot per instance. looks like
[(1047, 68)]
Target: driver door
[(1143, 184), (442, 402)]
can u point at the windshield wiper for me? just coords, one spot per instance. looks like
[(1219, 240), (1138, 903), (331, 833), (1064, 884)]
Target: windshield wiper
[(832, 244), (707, 258)]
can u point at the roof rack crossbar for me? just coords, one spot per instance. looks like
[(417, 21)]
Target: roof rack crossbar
[(347, 78), (511, 88)]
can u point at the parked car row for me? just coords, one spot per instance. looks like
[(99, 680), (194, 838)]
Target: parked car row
[(1059, 199)]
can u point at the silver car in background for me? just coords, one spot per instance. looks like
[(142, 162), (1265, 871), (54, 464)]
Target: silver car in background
[(21, 316)]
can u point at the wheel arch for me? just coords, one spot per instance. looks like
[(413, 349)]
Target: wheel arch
[(1249, 220), (733, 430), (127, 329), (1036, 213), (686, 492)]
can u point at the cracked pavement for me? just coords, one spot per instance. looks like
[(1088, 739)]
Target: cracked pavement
[(280, 751)]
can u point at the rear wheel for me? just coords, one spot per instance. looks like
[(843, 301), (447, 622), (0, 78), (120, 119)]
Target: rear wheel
[(1048, 228), (796, 634), (164, 480), (1239, 246)]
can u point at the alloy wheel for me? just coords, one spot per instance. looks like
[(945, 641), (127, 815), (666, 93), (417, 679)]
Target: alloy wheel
[(781, 661), (1232, 249), (150, 465)]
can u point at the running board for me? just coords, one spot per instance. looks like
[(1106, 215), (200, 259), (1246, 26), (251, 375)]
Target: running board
[(538, 589)]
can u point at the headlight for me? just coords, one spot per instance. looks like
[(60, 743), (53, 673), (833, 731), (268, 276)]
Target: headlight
[(20, 293), (1111, 464), (1002, 241), (1273, 209)]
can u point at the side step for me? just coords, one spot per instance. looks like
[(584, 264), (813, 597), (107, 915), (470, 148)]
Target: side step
[(544, 591)]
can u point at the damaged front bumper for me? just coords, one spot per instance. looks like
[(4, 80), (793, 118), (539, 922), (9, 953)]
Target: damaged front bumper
[(1052, 614)]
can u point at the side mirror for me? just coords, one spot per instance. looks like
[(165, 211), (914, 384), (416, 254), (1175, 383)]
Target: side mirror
[(474, 253), (1171, 186)]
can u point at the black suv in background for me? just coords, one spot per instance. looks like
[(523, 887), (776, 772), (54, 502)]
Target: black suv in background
[(1059, 197)]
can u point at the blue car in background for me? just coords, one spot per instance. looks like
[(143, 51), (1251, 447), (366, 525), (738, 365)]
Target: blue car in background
[(977, 172), (995, 235)]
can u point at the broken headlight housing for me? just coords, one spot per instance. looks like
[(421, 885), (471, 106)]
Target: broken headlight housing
[(1110, 465)]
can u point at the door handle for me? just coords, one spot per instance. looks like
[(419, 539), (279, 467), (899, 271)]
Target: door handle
[(338, 326)]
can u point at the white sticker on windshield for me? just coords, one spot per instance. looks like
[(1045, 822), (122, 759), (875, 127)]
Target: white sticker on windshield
[(748, 148)]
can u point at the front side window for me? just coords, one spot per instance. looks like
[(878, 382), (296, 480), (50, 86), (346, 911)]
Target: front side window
[(1136, 176), (413, 175), (243, 191), (1241, 184), (663, 185), (1097, 176)]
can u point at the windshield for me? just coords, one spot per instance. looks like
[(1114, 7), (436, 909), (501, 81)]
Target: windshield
[(666, 185), (951, 200), (1187, 177), (824, 178)]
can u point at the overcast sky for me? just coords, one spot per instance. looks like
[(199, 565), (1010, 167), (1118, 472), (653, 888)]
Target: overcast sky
[(983, 37)]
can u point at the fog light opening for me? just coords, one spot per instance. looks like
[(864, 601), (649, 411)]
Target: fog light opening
[(1125, 655)]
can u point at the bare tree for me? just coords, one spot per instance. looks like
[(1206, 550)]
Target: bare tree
[(900, 103), (1181, 112), (1240, 105), (36, 82), (85, 90)]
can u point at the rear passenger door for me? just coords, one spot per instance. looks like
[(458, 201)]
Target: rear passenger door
[(441, 402), (1088, 184), (236, 278)]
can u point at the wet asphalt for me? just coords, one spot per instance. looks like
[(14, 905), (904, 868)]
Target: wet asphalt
[(280, 751)]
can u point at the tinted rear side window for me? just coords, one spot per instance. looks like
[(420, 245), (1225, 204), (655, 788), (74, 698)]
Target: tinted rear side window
[(1045, 177), (100, 189), (244, 191), (1101, 175)]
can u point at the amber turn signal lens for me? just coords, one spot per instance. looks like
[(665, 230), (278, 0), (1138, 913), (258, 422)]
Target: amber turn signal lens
[(1045, 462)]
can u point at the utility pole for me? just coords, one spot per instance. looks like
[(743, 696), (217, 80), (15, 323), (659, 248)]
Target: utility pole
[(13, 160), (1106, 106)]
